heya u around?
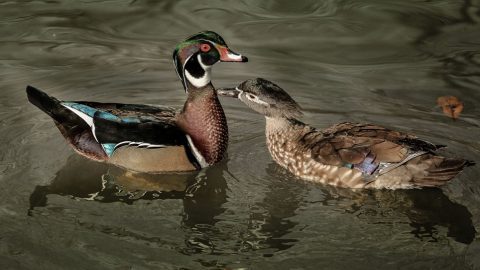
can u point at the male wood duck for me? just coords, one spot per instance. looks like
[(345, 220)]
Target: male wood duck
[(347, 154), (147, 138)]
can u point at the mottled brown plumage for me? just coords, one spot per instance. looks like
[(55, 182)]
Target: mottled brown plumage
[(346, 154)]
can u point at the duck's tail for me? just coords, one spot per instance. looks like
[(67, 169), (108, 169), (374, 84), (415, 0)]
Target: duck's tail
[(440, 170), (54, 108), (75, 129), (44, 102)]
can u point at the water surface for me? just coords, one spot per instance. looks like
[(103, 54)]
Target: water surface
[(384, 62)]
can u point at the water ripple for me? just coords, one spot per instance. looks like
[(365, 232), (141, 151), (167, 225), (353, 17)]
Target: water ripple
[(363, 61)]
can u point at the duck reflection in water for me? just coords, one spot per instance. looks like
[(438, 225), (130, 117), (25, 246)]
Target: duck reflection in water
[(270, 220), (426, 210), (103, 183)]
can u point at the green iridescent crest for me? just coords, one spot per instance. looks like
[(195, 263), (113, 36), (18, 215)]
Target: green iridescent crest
[(191, 45), (205, 35)]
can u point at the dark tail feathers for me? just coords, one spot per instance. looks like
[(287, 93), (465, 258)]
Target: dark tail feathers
[(43, 101), (73, 127), (54, 108), (443, 172)]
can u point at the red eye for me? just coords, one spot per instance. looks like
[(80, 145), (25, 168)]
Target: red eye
[(205, 47)]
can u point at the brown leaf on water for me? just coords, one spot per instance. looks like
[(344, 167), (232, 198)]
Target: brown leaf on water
[(451, 106)]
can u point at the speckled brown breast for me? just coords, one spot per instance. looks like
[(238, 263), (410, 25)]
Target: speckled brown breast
[(287, 149), (204, 121)]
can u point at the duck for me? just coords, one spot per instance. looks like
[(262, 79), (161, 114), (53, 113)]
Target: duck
[(346, 155), (151, 138)]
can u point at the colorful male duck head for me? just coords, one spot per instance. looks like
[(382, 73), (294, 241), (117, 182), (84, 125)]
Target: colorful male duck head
[(264, 97), (194, 58)]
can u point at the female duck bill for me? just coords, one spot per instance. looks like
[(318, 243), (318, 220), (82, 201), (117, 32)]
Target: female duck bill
[(229, 92)]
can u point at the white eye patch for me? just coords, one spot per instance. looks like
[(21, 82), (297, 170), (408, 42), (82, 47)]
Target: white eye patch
[(255, 99)]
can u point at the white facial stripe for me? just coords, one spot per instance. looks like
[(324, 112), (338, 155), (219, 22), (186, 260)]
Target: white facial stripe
[(198, 156), (202, 81), (231, 55), (205, 67)]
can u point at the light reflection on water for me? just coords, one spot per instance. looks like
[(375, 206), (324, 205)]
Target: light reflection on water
[(368, 61)]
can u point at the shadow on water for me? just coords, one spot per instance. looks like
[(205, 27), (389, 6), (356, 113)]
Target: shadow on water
[(270, 219), (426, 209), (88, 180), (430, 208)]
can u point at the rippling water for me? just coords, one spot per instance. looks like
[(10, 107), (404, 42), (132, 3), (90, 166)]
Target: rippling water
[(384, 62)]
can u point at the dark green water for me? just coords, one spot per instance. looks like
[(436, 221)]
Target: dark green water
[(384, 62)]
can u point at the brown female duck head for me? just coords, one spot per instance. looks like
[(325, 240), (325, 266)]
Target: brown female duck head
[(264, 97)]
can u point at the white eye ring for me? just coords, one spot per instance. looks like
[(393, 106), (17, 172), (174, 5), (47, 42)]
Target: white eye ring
[(255, 99)]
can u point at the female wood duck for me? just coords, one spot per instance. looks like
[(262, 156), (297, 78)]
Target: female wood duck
[(347, 154), (148, 138)]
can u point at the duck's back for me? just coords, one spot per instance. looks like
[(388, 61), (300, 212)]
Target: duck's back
[(360, 156), (141, 138)]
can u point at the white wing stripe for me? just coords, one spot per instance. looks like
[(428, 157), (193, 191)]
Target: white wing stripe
[(85, 117)]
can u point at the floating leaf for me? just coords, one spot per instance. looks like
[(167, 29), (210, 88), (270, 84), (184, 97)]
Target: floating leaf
[(451, 106)]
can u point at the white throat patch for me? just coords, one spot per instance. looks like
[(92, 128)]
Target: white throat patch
[(202, 81)]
